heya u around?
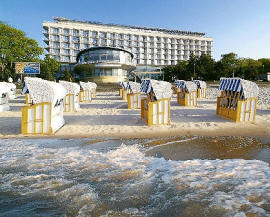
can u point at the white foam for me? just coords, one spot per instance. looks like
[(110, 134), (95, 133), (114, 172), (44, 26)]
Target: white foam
[(83, 179)]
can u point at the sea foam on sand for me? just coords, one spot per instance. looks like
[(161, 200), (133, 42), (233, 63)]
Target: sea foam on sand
[(124, 180)]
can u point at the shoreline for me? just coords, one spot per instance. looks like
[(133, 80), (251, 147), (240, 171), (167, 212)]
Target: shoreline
[(245, 132)]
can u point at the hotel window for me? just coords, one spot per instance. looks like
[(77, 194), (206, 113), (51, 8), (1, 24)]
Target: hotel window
[(94, 34), (209, 43), (57, 58), (55, 30), (145, 44), (127, 37), (76, 52), (85, 33), (66, 38), (66, 59), (85, 40), (56, 44), (86, 46), (103, 42), (109, 35), (158, 56), (102, 35), (110, 42), (135, 43), (76, 46), (75, 39), (56, 37), (144, 38), (75, 32), (94, 41), (66, 31), (56, 51), (66, 52), (119, 36), (136, 37), (120, 43), (65, 45)]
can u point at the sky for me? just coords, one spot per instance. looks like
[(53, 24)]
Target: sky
[(239, 26)]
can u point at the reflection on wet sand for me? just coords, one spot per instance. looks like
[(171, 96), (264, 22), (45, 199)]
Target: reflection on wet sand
[(188, 148)]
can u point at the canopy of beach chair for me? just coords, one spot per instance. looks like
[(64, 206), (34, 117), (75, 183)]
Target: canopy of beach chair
[(45, 91), (4, 88), (134, 87), (187, 85), (249, 88), (71, 88), (161, 89)]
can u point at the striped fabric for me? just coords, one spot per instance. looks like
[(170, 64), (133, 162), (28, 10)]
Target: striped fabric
[(120, 84), (146, 86), (187, 85), (24, 89), (249, 88)]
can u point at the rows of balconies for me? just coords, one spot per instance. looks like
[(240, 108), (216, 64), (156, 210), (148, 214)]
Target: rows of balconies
[(135, 43), (85, 45), (116, 36)]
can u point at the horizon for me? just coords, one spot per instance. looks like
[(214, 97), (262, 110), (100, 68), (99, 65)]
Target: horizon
[(248, 26)]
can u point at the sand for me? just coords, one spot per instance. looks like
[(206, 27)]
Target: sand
[(107, 116)]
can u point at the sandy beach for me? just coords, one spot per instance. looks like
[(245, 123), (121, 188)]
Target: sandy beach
[(107, 116)]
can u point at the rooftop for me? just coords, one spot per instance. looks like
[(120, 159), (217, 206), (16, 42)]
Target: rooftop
[(168, 31)]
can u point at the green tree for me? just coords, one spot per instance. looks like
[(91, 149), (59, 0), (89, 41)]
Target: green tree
[(67, 76), (249, 68), (15, 47), (206, 68), (177, 71), (265, 62), (227, 65), (48, 68), (192, 66)]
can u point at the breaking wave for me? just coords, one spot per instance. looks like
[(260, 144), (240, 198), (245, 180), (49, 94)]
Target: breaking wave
[(57, 177)]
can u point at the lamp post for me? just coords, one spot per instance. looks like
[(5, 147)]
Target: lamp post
[(234, 66), (194, 70)]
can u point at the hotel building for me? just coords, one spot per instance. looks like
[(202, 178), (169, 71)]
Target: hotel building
[(65, 38)]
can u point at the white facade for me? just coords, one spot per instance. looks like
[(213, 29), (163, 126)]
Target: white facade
[(154, 47)]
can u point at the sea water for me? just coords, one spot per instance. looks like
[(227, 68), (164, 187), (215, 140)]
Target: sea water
[(186, 176)]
